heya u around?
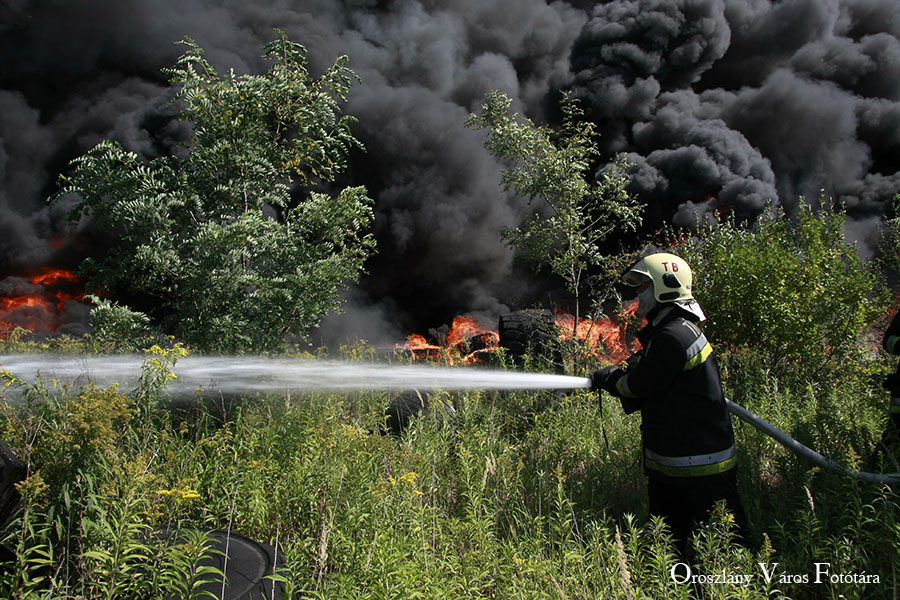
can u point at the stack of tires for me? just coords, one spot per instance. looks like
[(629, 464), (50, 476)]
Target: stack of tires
[(531, 333)]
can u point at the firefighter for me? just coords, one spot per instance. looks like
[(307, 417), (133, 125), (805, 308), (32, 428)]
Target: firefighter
[(891, 344), (688, 442)]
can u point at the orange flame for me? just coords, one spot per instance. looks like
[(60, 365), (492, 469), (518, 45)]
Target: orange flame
[(51, 276), (23, 302), (603, 338), (39, 310), (465, 343), (418, 342)]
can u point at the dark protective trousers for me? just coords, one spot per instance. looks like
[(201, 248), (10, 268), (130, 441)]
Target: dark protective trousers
[(685, 502)]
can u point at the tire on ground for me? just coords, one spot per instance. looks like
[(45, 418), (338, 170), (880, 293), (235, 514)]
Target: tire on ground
[(246, 563), (403, 408), (412, 403)]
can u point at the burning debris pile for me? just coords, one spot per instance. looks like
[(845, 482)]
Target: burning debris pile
[(44, 302), (543, 333), (606, 338), (468, 341)]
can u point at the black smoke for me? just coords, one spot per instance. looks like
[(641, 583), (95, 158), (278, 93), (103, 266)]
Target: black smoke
[(720, 105), (747, 102)]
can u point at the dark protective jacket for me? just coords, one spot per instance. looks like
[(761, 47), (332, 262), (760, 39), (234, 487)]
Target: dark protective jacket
[(891, 340), (686, 426), (891, 344)]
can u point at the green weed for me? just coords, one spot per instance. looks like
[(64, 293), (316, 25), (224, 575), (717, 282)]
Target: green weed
[(516, 495)]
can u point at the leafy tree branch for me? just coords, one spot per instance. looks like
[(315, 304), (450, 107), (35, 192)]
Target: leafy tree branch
[(572, 214), (215, 232)]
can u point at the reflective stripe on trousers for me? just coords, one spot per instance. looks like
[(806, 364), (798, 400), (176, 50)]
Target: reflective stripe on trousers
[(691, 466)]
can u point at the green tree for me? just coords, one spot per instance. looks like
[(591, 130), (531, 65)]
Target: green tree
[(550, 168), (792, 289), (213, 231)]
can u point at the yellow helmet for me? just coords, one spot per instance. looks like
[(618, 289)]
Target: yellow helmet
[(670, 276)]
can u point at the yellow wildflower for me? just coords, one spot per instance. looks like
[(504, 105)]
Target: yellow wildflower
[(182, 492)]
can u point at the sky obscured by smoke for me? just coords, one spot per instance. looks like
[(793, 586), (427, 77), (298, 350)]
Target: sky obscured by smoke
[(720, 104)]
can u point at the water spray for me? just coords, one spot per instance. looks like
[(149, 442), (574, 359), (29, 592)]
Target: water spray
[(254, 374)]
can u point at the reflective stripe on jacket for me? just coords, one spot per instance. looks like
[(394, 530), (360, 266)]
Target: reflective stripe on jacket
[(685, 424)]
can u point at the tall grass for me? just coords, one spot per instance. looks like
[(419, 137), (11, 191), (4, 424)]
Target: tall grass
[(500, 501)]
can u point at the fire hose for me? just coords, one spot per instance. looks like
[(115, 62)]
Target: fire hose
[(807, 453)]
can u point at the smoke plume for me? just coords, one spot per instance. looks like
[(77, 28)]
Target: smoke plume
[(747, 102), (719, 105)]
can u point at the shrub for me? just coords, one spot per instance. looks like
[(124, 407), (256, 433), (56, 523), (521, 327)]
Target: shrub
[(791, 288)]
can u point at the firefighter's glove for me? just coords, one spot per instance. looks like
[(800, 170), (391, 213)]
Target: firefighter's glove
[(606, 378)]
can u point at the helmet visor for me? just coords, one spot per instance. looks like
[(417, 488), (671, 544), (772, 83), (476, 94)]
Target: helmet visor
[(637, 275)]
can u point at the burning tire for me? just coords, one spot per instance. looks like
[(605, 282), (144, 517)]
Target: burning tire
[(531, 331)]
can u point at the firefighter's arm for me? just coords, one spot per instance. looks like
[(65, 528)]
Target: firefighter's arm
[(891, 340), (607, 379), (663, 360)]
